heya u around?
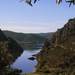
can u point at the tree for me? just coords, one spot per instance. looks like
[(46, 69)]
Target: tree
[(57, 1), (5, 56)]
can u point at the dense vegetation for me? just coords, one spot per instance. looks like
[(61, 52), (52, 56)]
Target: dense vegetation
[(58, 54), (28, 38), (8, 47), (5, 57)]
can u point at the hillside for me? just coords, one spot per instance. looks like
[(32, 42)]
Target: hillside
[(28, 38), (58, 53), (13, 46), (8, 47), (46, 35), (2, 37)]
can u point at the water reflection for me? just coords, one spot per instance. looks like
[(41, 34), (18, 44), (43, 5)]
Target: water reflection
[(23, 62), (16, 55), (8, 70)]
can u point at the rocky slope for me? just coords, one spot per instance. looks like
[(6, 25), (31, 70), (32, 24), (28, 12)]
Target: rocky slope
[(58, 53)]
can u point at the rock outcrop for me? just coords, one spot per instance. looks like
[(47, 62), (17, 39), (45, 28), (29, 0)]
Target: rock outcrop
[(68, 30)]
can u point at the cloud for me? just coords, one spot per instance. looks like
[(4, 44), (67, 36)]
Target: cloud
[(31, 28), (35, 23), (23, 28)]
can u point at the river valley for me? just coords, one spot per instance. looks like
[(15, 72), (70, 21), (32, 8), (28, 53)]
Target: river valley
[(22, 62)]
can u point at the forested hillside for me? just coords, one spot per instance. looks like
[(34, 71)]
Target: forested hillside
[(46, 35), (28, 38), (58, 54), (8, 47)]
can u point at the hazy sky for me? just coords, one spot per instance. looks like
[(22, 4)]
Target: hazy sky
[(44, 16)]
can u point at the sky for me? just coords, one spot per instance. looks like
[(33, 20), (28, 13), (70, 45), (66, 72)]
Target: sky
[(45, 16)]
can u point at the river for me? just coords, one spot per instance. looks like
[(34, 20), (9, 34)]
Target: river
[(22, 62)]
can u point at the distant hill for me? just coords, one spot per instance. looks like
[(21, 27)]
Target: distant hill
[(27, 38), (58, 53), (46, 35)]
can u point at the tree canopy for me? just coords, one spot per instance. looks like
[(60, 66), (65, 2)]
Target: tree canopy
[(57, 1)]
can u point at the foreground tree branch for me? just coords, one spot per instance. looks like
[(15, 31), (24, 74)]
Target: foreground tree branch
[(57, 1)]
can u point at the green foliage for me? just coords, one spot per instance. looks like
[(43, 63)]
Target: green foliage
[(6, 59), (5, 56)]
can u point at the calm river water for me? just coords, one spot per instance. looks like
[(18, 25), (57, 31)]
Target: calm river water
[(22, 62)]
